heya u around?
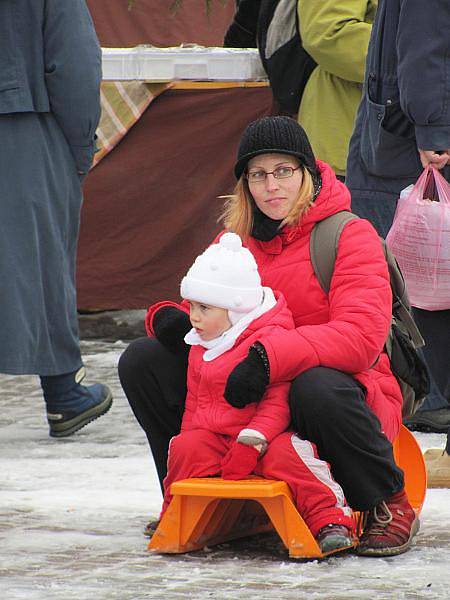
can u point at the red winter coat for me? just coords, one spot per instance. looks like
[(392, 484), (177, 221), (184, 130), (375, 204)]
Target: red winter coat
[(206, 408), (344, 330)]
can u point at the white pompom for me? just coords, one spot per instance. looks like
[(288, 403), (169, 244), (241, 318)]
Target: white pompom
[(231, 242)]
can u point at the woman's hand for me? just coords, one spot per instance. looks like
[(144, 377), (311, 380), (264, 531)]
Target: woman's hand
[(431, 157), (170, 325), (248, 381), (239, 462)]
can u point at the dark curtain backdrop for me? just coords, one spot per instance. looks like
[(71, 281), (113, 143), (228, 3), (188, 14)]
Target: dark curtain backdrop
[(151, 22), (151, 204)]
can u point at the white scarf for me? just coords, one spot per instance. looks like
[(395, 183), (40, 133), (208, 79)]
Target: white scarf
[(224, 342)]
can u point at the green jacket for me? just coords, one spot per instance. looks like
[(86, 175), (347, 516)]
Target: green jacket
[(336, 35)]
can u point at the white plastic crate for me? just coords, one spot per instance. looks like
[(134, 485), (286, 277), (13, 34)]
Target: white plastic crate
[(194, 63), (119, 63)]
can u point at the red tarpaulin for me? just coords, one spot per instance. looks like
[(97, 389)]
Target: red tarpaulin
[(151, 204), (151, 22)]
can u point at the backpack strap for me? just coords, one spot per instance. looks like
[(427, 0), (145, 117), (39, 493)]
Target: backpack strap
[(323, 245), (401, 307)]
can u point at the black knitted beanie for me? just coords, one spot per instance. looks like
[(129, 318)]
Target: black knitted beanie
[(275, 135)]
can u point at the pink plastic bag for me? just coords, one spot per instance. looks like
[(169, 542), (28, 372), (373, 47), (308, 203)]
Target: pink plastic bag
[(420, 240)]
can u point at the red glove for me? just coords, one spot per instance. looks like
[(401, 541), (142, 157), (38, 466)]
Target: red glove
[(239, 461)]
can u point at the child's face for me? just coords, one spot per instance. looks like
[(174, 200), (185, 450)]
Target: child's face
[(209, 321)]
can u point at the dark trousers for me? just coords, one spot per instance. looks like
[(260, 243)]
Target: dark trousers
[(328, 408), (434, 326)]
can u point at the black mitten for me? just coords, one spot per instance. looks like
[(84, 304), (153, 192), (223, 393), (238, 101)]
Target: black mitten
[(247, 382), (170, 325)]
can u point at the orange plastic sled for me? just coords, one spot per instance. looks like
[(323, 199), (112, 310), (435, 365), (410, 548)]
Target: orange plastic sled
[(209, 511), (409, 458)]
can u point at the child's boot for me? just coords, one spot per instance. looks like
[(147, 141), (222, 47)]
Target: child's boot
[(71, 406), (151, 527), (332, 538)]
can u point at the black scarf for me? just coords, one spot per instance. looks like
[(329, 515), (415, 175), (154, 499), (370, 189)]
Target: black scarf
[(264, 228)]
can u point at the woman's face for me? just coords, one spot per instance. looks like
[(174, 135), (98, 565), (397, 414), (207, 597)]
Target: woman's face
[(274, 196)]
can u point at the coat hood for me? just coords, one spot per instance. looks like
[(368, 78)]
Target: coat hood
[(333, 197)]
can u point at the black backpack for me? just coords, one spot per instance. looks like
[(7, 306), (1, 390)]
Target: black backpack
[(404, 337), (286, 62)]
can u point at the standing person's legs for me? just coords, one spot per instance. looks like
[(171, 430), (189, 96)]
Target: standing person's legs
[(370, 202), (40, 215), (434, 414), (154, 381)]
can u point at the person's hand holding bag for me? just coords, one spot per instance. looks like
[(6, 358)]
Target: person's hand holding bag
[(418, 238), (240, 461), (437, 159)]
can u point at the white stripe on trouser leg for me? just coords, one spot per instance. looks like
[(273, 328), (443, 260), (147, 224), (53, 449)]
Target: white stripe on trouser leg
[(319, 468)]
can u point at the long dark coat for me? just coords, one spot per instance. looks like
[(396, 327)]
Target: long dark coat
[(405, 105), (50, 73)]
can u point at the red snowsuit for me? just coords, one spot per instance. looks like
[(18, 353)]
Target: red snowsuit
[(210, 426)]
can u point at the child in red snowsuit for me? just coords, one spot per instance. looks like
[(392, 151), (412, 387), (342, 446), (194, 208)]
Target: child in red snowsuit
[(229, 310)]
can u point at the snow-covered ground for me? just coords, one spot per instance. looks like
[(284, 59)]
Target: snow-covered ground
[(72, 513)]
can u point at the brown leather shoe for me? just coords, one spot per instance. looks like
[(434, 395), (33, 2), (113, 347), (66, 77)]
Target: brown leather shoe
[(390, 527)]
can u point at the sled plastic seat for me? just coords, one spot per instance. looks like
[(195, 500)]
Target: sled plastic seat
[(209, 511)]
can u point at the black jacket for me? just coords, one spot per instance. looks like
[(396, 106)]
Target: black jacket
[(242, 31), (406, 99)]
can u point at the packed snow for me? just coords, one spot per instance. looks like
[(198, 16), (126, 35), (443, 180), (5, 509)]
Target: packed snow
[(72, 514)]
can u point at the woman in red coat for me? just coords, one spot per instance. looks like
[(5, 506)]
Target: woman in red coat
[(343, 396)]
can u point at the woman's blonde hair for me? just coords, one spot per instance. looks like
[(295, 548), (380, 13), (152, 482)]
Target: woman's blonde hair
[(237, 215)]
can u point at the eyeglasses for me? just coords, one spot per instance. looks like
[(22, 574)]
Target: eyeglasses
[(278, 173)]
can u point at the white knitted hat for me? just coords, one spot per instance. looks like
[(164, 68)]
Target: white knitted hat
[(225, 275)]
